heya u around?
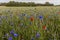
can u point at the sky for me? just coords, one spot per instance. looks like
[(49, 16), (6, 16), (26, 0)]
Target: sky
[(55, 2)]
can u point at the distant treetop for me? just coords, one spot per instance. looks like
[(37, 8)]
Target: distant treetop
[(13, 3)]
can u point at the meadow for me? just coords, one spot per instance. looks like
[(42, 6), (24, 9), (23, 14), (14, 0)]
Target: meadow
[(30, 23)]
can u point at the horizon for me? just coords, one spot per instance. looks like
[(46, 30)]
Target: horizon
[(55, 2)]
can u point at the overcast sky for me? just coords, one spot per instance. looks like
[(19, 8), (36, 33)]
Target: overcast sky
[(56, 2)]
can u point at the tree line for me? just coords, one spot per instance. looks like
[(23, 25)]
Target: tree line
[(13, 3)]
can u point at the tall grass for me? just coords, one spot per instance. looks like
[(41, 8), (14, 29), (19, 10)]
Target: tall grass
[(30, 23)]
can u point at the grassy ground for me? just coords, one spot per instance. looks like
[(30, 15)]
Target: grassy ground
[(30, 23)]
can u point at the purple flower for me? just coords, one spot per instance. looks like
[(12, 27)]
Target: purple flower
[(38, 35), (15, 35), (41, 17), (10, 38), (12, 32)]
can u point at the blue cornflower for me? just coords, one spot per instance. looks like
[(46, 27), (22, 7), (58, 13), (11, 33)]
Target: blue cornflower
[(24, 15), (41, 17), (15, 35), (32, 38), (38, 35), (10, 38), (12, 32)]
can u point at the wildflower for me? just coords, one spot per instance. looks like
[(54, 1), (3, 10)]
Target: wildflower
[(10, 38), (41, 17), (31, 18), (32, 38), (44, 27), (37, 34), (24, 14), (12, 32), (15, 35)]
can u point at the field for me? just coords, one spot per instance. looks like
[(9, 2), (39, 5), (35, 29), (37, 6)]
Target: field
[(30, 23)]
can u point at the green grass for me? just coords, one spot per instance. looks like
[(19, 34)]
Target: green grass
[(12, 20)]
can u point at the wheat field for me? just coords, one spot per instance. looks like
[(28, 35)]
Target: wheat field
[(30, 23)]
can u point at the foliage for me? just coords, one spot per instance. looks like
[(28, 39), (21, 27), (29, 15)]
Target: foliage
[(13, 3), (29, 23)]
